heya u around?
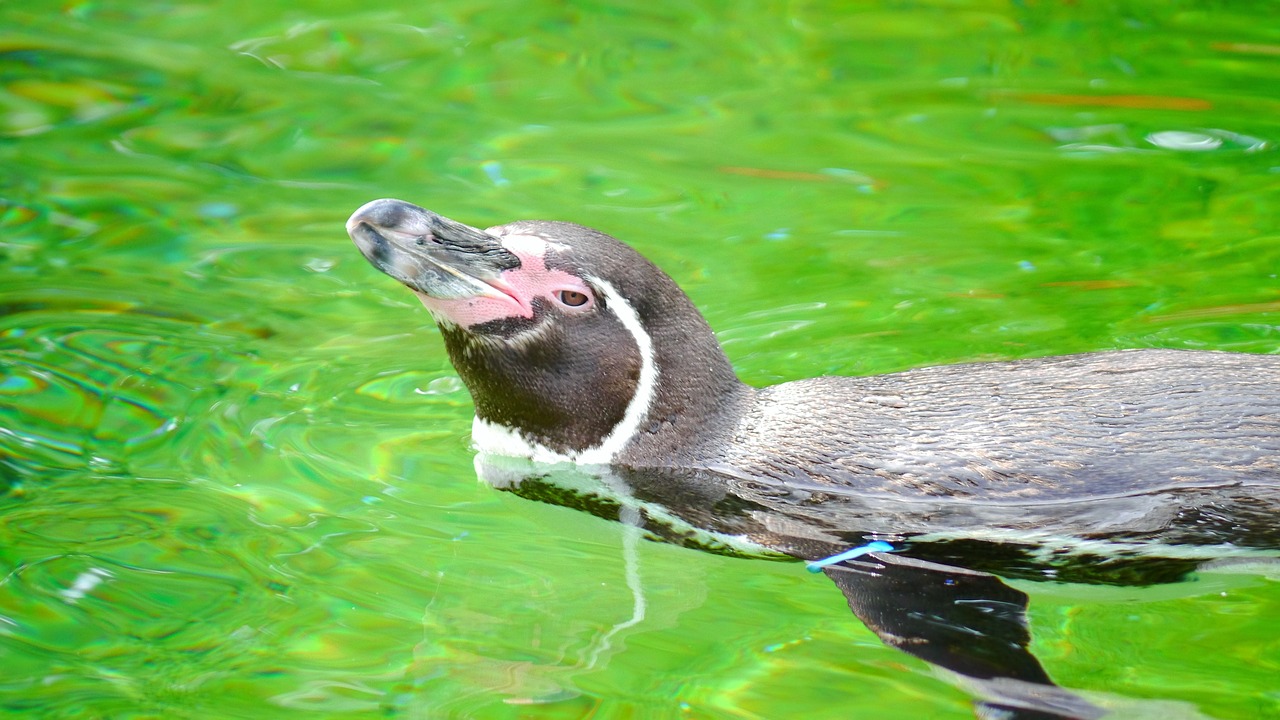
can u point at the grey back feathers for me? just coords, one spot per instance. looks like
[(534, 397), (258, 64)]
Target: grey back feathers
[(1098, 425)]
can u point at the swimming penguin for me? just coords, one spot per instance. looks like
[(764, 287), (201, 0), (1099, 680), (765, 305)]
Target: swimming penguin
[(577, 350)]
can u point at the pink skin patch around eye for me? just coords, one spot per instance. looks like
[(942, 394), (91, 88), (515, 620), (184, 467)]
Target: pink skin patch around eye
[(512, 295)]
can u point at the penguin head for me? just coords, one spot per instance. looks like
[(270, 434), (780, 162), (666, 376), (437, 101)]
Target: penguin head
[(572, 344)]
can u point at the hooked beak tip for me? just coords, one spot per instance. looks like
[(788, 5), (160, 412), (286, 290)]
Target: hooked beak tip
[(431, 254)]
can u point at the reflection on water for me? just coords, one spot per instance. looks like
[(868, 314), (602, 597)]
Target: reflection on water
[(234, 471)]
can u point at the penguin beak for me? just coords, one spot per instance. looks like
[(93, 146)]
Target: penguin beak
[(431, 254)]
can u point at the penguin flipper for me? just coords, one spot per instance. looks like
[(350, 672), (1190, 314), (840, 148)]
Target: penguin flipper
[(965, 621)]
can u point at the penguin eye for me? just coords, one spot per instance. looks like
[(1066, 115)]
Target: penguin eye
[(572, 298)]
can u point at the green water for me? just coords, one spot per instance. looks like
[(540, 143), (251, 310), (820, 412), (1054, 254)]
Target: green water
[(234, 468)]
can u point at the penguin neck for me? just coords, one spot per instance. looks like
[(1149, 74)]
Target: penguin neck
[(697, 402), (664, 399)]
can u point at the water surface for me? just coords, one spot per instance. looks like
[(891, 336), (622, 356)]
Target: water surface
[(234, 469)]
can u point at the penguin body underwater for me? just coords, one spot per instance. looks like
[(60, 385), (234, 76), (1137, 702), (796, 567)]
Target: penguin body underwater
[(578, 350)]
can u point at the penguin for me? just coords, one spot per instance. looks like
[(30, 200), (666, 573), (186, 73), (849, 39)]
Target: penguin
[(578, 351)]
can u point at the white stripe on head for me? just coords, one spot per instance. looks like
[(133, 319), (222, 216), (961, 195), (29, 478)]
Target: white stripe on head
[(502, 440), (646, 384)]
